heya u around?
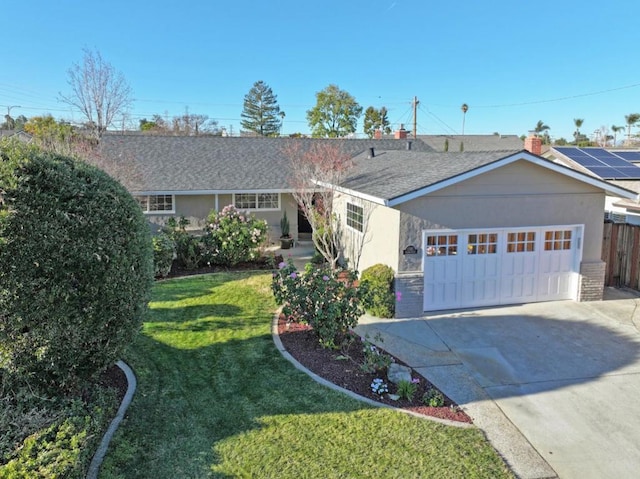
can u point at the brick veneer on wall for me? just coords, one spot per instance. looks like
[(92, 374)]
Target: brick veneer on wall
[(591, 281)]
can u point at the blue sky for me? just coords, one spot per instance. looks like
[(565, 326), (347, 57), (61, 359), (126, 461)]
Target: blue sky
[(513, 63)]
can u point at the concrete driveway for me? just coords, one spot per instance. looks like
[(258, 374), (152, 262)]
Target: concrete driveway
[(555, 386)]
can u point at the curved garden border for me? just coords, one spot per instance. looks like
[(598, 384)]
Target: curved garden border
[(98, 457), (314, 376)]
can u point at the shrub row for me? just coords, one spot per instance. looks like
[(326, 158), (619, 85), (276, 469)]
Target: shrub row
[(231, 237)]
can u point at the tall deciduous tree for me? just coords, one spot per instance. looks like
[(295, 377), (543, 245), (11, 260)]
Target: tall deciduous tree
[(375, 119), (261, 113), (335, 115), (98, 91)]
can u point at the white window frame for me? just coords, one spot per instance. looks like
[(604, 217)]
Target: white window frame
[(348, 219), (145, 200), (257, 203)]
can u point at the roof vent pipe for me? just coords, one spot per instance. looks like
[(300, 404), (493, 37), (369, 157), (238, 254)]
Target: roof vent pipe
[(408, 145), (372, 153)]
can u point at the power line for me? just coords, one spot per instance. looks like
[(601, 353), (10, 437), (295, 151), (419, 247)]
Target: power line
[(563, 98)]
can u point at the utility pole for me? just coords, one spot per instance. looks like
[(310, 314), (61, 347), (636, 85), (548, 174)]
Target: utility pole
[(9, 121), (415, 117)]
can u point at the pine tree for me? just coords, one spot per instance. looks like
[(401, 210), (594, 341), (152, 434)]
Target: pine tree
[(261, 113)]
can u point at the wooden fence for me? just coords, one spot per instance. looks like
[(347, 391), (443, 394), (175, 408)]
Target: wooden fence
[(621, 250)]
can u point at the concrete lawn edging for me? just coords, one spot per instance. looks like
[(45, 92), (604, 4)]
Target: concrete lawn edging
[(324, 382), (98, 457)]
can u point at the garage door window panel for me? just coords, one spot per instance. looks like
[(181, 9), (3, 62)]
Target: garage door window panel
[(557, 240), (442, 245), (482, 243), (521, 242)]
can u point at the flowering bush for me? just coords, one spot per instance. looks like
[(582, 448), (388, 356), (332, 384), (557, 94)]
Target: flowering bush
[(331, 305), (379, 387), (233, 236)]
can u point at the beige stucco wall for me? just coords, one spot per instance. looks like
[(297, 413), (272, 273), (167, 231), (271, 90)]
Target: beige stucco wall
[(519, 194), (196, 209), (377, 243)]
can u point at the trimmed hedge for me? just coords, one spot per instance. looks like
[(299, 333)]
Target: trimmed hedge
[(76, 268), (380, 299)]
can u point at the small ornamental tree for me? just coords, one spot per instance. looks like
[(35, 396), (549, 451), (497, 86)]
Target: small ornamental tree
[(75, 269), (315, 173)]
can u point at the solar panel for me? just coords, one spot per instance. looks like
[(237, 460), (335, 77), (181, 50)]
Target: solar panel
[(630, 172), (606, 172), (628, 155), (607, 165)]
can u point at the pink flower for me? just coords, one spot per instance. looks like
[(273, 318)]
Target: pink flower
[(293, 275), (282, 265), (415, 380), (325, 278)]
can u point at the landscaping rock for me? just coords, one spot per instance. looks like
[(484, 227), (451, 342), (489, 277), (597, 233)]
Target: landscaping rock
[(397, 373)]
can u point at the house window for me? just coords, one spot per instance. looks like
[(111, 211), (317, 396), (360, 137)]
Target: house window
[(482, 243), (355, 217), (523, 241), (442, 245), (156, 203), (557, 240), (257, 201)]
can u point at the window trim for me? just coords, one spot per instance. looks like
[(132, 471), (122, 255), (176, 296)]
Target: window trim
[(146, 209), (349, 219), (256, 194)]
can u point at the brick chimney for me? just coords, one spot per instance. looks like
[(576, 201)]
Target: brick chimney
[(533, 144), (400, 134)]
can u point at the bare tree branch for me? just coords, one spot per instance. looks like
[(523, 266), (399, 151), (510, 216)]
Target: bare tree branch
[(98, 91), (315, 174)]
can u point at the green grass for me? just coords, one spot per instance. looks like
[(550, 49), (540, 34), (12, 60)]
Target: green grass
[(216, 399)]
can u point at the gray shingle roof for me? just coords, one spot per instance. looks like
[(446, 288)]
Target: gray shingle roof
[(390, 174), (473, 142), (174, 163)]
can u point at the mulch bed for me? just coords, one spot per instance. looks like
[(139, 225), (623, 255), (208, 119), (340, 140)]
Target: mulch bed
[(302, 343), (262, 263)]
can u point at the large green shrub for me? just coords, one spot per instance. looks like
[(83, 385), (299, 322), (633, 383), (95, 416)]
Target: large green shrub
[(380, 299), (75, 268)]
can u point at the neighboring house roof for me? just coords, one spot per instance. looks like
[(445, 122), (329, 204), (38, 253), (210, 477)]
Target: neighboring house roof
[(394, 177), (473, 142), (205, 164), (20, 134)]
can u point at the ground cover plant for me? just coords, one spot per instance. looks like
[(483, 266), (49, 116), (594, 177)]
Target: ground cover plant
[(216, 399)]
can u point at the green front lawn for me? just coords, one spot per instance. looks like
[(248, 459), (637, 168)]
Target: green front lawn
[(216, 399)]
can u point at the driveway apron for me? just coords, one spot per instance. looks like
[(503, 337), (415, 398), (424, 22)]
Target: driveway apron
[(555, 386)]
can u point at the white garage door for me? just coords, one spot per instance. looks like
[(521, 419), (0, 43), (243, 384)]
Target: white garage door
[(464, 268)]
